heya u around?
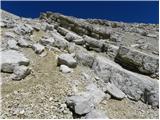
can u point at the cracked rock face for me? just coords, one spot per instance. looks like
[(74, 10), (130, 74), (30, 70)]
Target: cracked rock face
[(63, 67), (137, 60), (130, 83)]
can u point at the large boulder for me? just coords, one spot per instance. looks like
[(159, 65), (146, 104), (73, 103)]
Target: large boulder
[(11, 58), (62, 31), (24, 42), (20, 72), (38, 48), (79, 104), (60, 42), (93, 43), (79, 41), (70, 36), (132, 84), (83, 56), (111, 50), (137, 61), (67, 59), (83, 102), (23, 29), (65, 69), (97, 94), (114, 91), (47, 41)]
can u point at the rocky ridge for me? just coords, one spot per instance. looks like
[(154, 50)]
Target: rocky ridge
[(59, 66)]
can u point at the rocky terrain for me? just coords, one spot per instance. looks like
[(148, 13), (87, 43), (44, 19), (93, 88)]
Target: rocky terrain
[(60, 66)]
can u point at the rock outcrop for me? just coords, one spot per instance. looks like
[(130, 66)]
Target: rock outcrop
[(138, 61), (132, 84)]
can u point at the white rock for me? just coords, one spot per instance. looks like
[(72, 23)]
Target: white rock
[(23, 42), (83, 56), (38, 48), (96, 93), (79, 104), (65, 69), (71, 36), (60, 42), (20, 72), (12, 44), (114, 91), (79, 41), (47, 41), (67, 59), (10, 58)]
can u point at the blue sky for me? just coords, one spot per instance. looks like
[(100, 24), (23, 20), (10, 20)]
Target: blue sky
[(135, 11)]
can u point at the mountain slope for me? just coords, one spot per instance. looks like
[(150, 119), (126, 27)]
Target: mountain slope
[(67, 67)]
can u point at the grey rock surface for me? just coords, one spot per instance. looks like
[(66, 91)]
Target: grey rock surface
[(140, 61), (38, 48), (71, 36), (110, 60), (10, 35), (96, 93), (47, 41), (20, 72), (93, 43), (114, 91), (96, 114), (11, 58), (67, 59), (22, 42), (131, 84), (12, 44), (83, 56), (65, 69), (79, 104), (23, 29), (60, 42)]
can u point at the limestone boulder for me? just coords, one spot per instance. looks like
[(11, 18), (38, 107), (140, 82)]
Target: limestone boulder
[(65, 69), (20, 72), (38, 48), (68, 60), (11, 58)]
